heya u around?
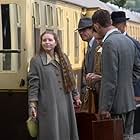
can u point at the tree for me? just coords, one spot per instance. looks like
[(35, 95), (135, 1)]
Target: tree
[(120, 3), (134, 5), (105, 0)]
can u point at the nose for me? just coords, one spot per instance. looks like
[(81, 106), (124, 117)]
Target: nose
[(47, 41)]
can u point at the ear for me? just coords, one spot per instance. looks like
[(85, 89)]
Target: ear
[(97, 26)]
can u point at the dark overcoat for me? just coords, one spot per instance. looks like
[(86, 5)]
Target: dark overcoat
[(136, 83), (88, 65)]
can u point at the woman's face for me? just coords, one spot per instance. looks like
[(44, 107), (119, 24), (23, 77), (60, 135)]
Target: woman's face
[(48, 43)]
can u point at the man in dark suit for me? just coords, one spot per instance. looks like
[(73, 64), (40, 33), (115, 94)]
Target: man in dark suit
[(118, 58), (87, 32), (119, 21)]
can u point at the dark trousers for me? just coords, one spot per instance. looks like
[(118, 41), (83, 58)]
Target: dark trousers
[(128, 123)]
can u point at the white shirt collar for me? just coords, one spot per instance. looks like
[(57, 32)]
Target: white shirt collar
[(124, 33), (91, 42), (108, 33)]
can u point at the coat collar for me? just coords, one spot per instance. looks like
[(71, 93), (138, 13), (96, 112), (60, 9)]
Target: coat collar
[(46, 59), (109, 33)]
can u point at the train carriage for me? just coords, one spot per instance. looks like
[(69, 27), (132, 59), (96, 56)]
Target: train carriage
[(21, 23)]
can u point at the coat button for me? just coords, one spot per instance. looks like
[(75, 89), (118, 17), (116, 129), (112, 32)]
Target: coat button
[(59, 81), (57, 74), (60, 88)]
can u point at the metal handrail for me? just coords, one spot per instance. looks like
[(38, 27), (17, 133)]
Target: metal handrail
[(10, 51)]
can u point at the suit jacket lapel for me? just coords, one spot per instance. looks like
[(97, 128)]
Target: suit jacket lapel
[(89, 62)]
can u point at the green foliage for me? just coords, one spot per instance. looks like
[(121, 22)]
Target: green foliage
[(120, 3), (105, 0)]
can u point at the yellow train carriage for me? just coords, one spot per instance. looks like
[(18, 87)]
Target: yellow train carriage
[(21, 23), (19, 37), (26, 21), (12, 46), (62, 17)]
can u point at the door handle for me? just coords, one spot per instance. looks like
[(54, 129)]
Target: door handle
[(22, 83)]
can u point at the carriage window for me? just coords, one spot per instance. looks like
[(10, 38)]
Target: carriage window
[(36, 13), (130, 30), (10, 34), (18, 14), (61, 18), (75, 19), (45, 15), (76, 40), (68, 32), (76, 47), (50, 15), (59, 32), (37, 40), (59, 15)]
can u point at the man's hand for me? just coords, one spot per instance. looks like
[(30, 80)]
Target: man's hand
[(104, 115), (92, 77)]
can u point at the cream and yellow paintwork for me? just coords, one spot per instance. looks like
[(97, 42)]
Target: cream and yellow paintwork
[(32, 18)]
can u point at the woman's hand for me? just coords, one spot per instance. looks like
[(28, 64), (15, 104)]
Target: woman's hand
[(33, 110), (77, 100), (77, 103)]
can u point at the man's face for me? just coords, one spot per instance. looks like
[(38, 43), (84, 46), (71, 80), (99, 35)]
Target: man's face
[(99, 30), (121, 26), (86, 34), (98, 38)]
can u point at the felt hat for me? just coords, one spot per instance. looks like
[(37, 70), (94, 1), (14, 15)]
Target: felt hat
[(118, 17), (84, 23)]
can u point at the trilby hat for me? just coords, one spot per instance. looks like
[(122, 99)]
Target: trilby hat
[(84, 23), (118, 17)]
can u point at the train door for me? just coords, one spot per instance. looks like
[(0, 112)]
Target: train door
[(12, 48), (13, 71)]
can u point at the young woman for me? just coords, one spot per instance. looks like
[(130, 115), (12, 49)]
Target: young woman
[(52, 91)]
